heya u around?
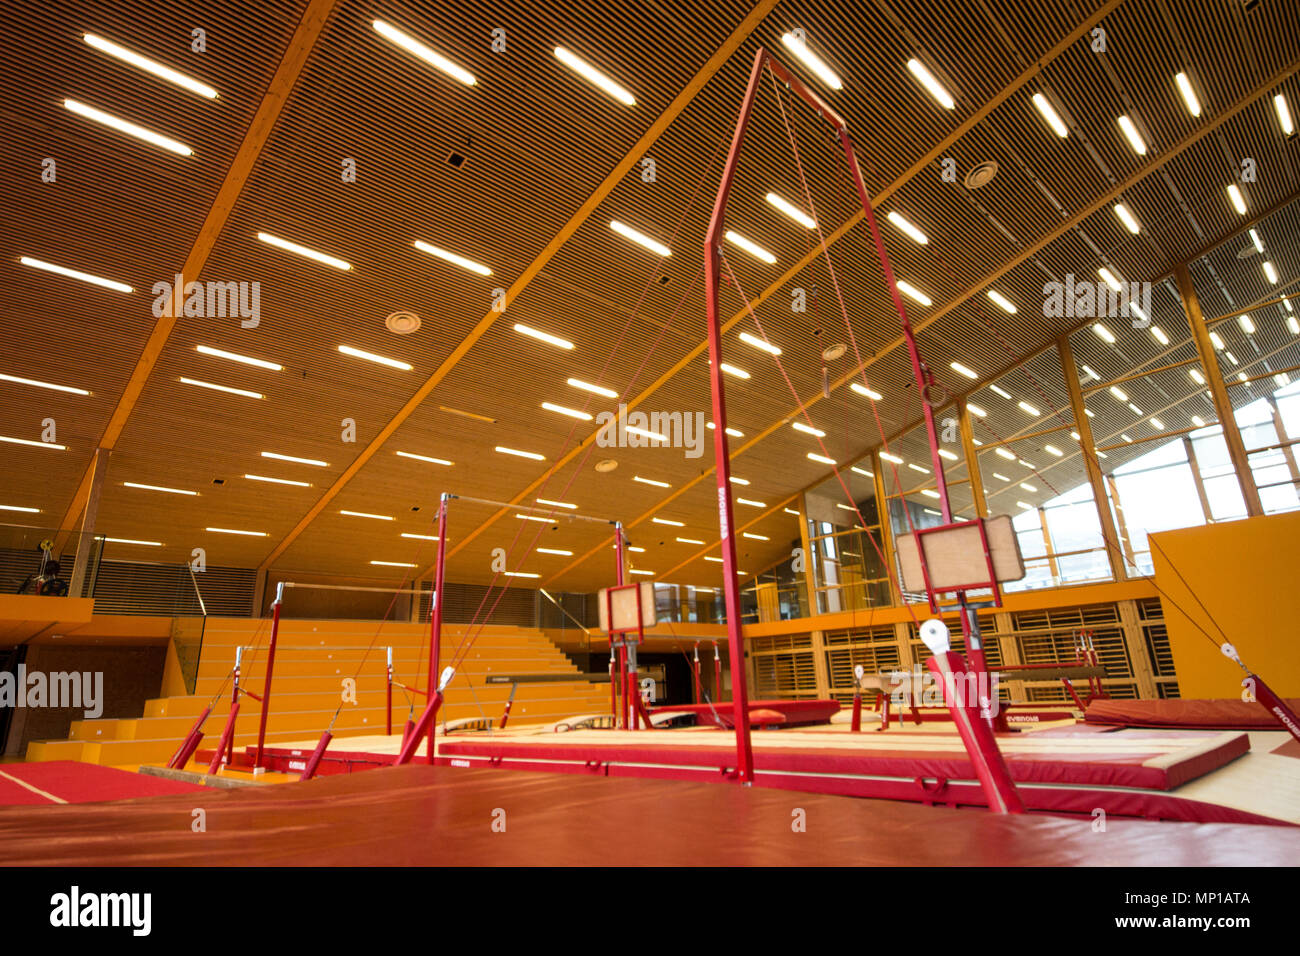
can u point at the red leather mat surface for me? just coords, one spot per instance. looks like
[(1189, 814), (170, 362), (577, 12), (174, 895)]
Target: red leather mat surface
[(421, 815), (1191, 714), (68, 781)]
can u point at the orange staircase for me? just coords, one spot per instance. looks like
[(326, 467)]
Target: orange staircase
[(314, 664)]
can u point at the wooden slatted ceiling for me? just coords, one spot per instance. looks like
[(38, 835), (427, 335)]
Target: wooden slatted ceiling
[(357, 100)]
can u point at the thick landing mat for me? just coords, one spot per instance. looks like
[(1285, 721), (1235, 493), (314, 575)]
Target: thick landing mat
[(67, 781), (762, 713), (1191, 714), (1125, 772), (436, 816)]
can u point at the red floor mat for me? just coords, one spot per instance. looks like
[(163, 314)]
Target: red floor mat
[(68, 781), (1190, 714)]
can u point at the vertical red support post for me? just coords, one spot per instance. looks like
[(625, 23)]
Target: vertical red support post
[(717, 674), (435, 623), (613, 685), (695, 674), (227, 742), (388, 710), (270, 669), (313, 762), (190, 743), (229, 746), (620, 578)]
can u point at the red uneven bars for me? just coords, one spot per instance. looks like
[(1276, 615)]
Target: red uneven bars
[(435, 623)]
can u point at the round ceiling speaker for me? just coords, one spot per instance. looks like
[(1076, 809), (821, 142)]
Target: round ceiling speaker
[(1247, 252), (606, 465), (833, 352), (402, 323), (981, 174)]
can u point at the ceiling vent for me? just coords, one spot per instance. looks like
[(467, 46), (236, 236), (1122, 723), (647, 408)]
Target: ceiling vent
[(833, 352), (981, 174), (606, 465), (402, 323)]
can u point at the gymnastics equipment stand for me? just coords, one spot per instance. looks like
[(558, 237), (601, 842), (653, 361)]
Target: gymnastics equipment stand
[(625, 611)]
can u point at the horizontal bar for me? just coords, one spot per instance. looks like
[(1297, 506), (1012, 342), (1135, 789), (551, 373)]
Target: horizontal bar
[(558, 513), (344, 587), (594, 678)]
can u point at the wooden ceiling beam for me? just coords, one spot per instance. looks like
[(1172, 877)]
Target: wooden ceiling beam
[(282, 84), (660, 126)]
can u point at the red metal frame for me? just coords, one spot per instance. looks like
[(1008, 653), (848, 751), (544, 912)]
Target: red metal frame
[(435, 625), (921, 372), (270, 669), (388, 714), (695, 674)]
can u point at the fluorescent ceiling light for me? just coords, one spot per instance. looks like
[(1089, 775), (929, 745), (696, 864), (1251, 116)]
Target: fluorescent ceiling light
[(1283, 114), (1133, 307), (862, 471), (298, 461), (235, 357), (759, 343), (559, 551), (756, 537), (913, 293), (147, 544), (377, 359), (571, 412), (223, 388), (739, 481), (392, 564), (1254, 237), (890, 456), (1159, 335), (525, 574), (908, 228), (1001, 301), (131, 129), (1281, 379), (963, 370), (800, 49), (1021, 504), (689, 541), (790, 511), (363, 514), (421, 537), (651, 481), (279, 481), (432, 461), (628, 232), (556, 504), (170, 491), (1158, 423), (644, 433), (975, 410), (945, 453), (755, 250), (1005, 394), (1109, 278), (822, 459), (1270, 272), (594, 76), (149, 66), (927, 80), (1049, 114), (1053, 450), (1198, 421), (807, 429), (519, 454), (1238, 201), (1131, 133), (30, 511), (33, 382), (714, 560), (1125, 436), (454, 259), (1189, 95), (734, 371), (1001, 477), (670, 523), (929, 494), (1135, 410), (1293, 325), (1231, 358), (594, 389), (1089, 372), (730, 431), (533, 518), (646, 573), (1119, 394), (1103, 333), (1027, 486), (1008, 455), (74, 274), (1246, 324), (248, 534), (542, 336), (924, 471), (794, 212), (866, 392), (1215, 340), (750, 503), (412, 45), (293, 247), (1127, 218), (1197, 377)]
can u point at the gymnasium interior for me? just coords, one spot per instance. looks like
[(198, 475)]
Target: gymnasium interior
[(674, 434)]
